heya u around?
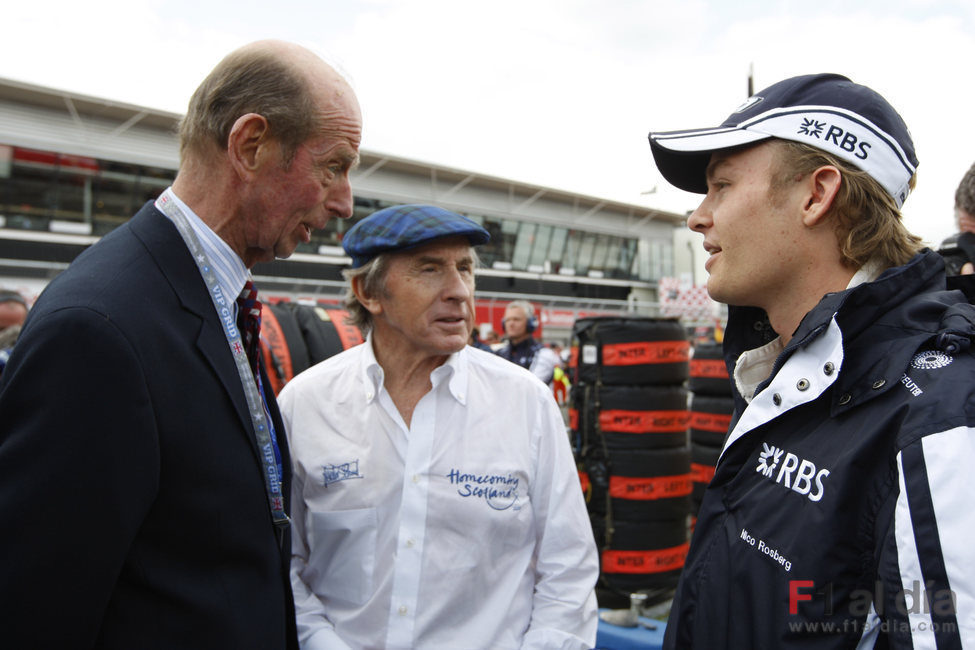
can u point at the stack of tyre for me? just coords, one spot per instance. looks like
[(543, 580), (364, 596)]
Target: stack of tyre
[(628, 421), (711, 410), (295, 337)]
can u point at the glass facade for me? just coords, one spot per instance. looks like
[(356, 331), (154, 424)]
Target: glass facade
[(40, 190), (561, 250), (59, 193)]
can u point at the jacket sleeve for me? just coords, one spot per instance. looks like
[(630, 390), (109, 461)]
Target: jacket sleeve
[(80, 465), (932, 531), (564, 602)]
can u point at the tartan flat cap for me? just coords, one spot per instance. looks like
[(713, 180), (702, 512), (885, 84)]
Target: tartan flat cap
[(407, 226)]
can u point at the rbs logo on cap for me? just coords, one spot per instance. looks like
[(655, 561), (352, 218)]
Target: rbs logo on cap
[(844, 140)]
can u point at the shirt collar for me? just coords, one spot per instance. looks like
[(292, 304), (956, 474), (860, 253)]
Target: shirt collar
[(230, 270), (372, 372), (454, 370), (754, 366), (866, 273)]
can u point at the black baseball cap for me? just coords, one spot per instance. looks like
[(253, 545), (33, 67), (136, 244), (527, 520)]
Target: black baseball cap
[(825, 111)]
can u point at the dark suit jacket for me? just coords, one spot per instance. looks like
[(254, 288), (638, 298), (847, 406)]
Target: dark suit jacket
[(132, 499)]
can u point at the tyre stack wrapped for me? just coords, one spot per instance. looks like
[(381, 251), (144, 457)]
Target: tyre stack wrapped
[(628, 419), (712, 406), (295, 337)]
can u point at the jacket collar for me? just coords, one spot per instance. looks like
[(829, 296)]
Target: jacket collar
[(905, 308)]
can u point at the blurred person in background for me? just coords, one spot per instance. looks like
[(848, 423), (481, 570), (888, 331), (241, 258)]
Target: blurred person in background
[(959, 249), (477, 342), (521, 347), (13, 313)]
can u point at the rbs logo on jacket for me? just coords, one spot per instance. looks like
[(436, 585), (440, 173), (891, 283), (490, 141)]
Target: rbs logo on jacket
[(797, 474)]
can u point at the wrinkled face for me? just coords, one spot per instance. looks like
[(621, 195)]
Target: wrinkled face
[(427, 309), (302, 195), (515, 323), (748, 234)]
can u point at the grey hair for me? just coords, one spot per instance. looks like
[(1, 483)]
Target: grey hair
[(373, 282), (526, 307), (250, 80)]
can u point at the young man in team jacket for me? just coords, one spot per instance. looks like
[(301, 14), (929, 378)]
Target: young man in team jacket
[(837, 516)]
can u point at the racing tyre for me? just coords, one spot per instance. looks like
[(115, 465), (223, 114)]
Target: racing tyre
[(629, 351)]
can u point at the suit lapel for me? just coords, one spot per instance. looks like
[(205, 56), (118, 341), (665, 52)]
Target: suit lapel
[(164, 243)]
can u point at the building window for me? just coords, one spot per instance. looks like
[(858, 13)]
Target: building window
[(51, 191), (41, 190)]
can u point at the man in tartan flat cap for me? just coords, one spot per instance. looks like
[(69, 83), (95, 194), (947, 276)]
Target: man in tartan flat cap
[(435, 499)]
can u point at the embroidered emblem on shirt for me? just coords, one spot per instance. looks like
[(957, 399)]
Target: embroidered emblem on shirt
[(769, 454), (798, 474), (499, 491), (931, 360), (340, 472)]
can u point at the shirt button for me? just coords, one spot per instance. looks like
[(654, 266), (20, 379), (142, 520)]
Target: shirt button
[(402, 610), (416, 478), (410, 543)]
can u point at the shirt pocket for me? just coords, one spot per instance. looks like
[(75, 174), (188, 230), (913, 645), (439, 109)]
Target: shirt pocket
[(342, 552)]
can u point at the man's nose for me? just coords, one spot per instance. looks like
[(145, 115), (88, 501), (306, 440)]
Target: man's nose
[(338, 200), (700, 220)]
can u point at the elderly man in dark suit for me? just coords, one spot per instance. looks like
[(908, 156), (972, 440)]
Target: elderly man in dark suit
[(145, 468)]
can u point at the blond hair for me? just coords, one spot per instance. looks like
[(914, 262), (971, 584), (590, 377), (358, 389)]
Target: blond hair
[(868, 222)]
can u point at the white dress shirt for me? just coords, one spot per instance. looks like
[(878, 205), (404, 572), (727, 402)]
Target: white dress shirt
[(467, 529)]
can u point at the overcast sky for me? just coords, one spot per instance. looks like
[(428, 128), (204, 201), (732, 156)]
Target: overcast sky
[(557, 93)]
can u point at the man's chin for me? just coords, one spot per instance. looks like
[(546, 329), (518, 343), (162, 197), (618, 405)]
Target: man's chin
[(716, 293), (454, 343), (283, 252)]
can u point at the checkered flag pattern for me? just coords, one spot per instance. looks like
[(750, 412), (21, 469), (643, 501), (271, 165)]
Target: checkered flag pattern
[(685, 302)]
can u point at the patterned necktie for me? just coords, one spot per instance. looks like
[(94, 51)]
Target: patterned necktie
[(249, 322)]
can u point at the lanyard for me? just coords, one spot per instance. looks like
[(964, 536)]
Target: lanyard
[(263, 426)]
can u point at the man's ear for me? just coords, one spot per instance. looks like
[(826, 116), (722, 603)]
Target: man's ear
[(822, 186), (249, 144), (371, 304)]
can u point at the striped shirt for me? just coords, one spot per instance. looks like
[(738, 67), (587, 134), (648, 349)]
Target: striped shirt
[(229, 268)]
